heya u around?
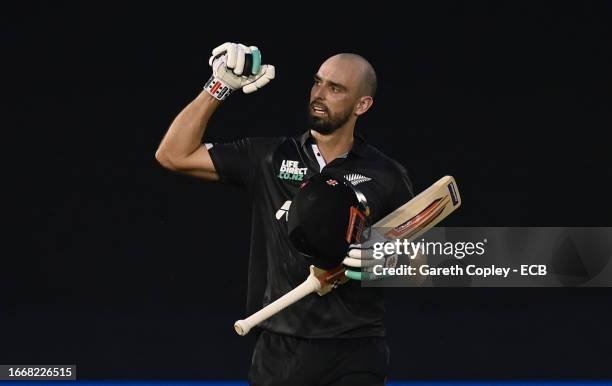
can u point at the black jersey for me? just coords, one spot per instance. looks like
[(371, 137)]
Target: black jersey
[(271, 170)]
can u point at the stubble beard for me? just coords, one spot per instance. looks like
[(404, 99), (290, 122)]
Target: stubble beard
[(329, 123)]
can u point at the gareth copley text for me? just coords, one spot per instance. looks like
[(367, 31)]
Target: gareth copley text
[(457, 270)]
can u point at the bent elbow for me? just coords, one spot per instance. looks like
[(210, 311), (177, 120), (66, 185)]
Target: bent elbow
[(164, 159)]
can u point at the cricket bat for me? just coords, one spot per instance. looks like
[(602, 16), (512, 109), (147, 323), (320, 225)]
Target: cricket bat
[(409, 221)]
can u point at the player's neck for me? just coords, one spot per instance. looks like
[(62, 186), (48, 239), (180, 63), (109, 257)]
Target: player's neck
[(335, 144)]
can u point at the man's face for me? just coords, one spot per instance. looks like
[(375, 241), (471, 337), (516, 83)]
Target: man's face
[(334, 95)]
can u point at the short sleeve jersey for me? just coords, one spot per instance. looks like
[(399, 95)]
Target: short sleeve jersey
[(271, 170)]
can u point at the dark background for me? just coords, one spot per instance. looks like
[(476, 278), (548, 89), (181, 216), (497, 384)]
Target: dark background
[(131, 271)]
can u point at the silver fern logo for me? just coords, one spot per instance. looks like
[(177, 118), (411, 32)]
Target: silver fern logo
[(356, 179)]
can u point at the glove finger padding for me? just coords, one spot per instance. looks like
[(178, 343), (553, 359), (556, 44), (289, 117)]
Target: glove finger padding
[(359, 252), (235, 56), (360, 263), (221, 48), (232, 56), (241, 51), (264, 77)]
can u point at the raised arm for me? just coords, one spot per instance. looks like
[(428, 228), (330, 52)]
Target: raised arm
[(181, 149), (235, 66)]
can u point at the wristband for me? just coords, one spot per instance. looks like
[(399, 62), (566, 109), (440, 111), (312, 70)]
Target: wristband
[(217, 88)]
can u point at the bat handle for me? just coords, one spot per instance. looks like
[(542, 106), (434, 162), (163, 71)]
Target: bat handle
[(310, 285)]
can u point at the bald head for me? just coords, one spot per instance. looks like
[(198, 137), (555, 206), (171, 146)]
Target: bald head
[(342, 91), (364, 71)]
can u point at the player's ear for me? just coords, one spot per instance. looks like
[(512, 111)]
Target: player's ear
[(363, 104)]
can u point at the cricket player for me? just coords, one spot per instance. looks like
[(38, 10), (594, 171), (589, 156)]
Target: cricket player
[(337, 339)]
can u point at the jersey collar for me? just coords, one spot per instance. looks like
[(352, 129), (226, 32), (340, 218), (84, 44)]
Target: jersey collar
[(359, 148)]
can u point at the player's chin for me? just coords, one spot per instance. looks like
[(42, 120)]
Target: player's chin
[(321, 125), (324, 129)]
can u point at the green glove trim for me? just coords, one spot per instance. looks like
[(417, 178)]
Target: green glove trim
[(358, 275), (353, 275), (256, 56)]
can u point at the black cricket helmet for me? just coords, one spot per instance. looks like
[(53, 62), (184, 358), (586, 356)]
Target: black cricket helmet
[(327, 215)]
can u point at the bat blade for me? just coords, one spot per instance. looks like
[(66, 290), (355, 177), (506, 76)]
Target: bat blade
[(423, 212), (408, 222)]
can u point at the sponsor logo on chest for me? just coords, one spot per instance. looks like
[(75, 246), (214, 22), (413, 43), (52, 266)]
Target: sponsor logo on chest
[(291, 170)]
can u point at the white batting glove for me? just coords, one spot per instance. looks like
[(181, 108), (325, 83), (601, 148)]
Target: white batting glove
[(361, 261), (236, 66)]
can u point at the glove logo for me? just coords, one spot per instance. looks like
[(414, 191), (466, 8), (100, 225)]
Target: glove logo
[(217, 89)]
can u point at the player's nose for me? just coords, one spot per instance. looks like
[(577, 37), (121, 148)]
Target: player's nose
[(318, 93)]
